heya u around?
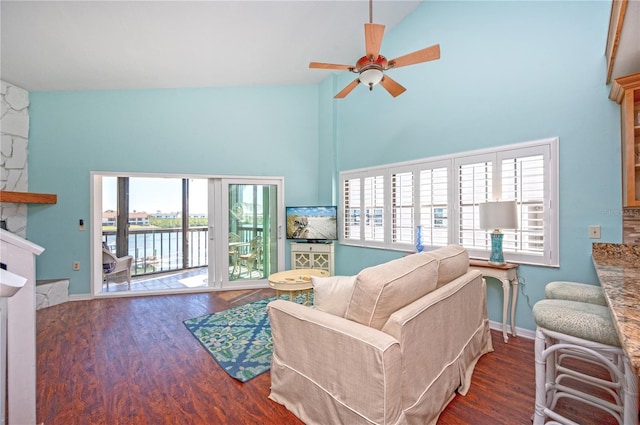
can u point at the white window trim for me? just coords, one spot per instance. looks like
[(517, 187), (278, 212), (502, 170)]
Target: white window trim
[(551, 256)]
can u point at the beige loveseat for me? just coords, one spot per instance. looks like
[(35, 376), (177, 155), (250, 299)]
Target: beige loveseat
[(389, 346)]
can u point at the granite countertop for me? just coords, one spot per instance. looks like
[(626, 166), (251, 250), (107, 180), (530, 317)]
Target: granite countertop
[(618, 269)]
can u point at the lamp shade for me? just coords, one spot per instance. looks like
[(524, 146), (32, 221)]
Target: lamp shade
[(498, 215)]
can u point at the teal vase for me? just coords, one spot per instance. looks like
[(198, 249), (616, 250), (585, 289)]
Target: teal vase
[(496, 249)]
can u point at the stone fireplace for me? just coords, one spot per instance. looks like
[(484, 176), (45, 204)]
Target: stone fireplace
[(14, 130)]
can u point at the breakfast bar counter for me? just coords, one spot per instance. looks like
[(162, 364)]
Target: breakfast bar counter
[(618, 269)]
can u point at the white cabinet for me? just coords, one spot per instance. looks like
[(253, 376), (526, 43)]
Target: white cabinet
[(312, 256)]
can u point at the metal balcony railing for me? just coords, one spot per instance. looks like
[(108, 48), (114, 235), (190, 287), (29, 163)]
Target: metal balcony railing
[(160, 250)]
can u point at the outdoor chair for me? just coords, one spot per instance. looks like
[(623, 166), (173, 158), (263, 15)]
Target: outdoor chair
[(114, 268), (253, 257), (234, 241)]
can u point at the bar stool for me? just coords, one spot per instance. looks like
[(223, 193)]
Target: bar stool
[(575, 291), (582, 331)]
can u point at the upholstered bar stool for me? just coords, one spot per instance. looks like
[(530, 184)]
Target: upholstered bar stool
[(575, 291), (583, 332)]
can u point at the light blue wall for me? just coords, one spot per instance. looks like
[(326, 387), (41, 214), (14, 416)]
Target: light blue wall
[(327, 144), (269, 131), (509, 72)]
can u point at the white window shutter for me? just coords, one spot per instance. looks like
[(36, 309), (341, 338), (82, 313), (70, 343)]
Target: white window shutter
[(434, 208), (373, 203), (402, 207), (475, 186), (351, 209), (523, 181)]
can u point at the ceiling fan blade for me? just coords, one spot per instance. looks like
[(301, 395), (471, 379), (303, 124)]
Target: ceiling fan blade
[(424, 55), (373, 39), (321, 65), (393, 87), (345, 91)]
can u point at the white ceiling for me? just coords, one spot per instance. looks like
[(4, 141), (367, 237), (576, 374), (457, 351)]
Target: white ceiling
[(56, 45), (105, 45)]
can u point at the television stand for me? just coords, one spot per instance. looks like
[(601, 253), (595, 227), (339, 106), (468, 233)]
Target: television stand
[(313, 255)]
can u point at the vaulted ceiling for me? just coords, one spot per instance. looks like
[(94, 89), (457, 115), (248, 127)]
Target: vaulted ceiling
[(104, 45)]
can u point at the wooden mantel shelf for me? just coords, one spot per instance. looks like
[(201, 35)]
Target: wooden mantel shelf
[(27, 197)]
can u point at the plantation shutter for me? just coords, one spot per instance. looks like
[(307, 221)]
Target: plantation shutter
[(434, 199), (384, 204), (373, 203), (475, 182), (523, 180), (402, 208), (352, 210)]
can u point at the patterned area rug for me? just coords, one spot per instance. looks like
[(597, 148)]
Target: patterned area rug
[(238, 338)]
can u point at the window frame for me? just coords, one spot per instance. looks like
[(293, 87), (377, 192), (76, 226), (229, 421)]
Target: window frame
[(548, 148)]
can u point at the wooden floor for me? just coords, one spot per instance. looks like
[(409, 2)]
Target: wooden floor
[(132, 361)]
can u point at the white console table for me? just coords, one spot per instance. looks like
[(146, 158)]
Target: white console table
[(508, 275)]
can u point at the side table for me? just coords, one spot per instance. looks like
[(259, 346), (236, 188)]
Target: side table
[(508, 275)]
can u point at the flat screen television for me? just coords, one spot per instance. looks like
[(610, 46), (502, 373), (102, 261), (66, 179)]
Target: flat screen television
[(312, 224)]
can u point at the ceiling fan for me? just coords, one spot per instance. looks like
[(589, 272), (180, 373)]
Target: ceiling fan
[(372, 66)]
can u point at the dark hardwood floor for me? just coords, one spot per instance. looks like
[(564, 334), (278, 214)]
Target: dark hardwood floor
[(132, 361)]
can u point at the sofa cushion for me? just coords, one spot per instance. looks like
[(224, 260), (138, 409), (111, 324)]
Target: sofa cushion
[(331, 294), (454, 262), (381, 290)]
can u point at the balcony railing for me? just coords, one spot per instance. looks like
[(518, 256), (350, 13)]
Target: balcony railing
[(160, 250)]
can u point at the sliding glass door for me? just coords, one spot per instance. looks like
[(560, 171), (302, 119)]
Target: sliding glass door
[(185, 233), (251, 236)]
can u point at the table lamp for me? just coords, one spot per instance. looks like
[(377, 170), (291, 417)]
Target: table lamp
[(498, 215)]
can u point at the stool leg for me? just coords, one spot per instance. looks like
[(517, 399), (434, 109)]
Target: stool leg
[(541, 379), (551, 360), (630, 394)]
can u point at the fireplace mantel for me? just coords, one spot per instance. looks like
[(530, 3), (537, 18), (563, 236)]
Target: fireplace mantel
[(28, 197)]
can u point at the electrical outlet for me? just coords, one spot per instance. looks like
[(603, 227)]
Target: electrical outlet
[(594, 232), (76, 265)]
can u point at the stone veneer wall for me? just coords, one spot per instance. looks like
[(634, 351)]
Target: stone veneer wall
[(631, 226), (14, 130)]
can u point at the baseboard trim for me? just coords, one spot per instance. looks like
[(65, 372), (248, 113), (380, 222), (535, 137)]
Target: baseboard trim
[(524, 333)]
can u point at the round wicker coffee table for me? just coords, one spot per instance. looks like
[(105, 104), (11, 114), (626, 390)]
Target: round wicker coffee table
[(294, 282)]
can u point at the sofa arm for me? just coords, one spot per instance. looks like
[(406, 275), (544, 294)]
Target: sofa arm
[(327, 365)]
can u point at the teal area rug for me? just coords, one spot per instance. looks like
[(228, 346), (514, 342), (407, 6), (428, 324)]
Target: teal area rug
[(239, 338)]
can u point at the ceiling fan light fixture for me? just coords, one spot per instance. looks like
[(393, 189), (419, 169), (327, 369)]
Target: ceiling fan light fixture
[(371, 77)]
